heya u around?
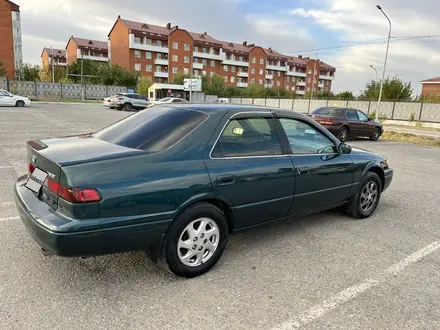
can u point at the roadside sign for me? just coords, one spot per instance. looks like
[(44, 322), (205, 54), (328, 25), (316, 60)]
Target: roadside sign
[(195, 84)]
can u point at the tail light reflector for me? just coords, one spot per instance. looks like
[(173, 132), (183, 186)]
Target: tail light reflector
[(73, 195)]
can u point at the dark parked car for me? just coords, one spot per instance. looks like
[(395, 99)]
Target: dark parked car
[(346, 122), (176, 180)]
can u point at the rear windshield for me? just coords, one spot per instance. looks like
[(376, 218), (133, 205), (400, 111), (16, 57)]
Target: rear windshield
[(329, 112), (152, 130)]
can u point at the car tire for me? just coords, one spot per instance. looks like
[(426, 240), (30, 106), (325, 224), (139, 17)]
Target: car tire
[(376, 134), (343, 134), (112, 108), (128, 107), (367, 197), (19, 103), (188, 250)]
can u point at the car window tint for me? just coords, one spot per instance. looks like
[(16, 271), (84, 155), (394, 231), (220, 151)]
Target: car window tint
[(248, 137), (305, 139), (336, 112), (362, 116), (154, 130), (3, 94), (176, 101), (351, 115)]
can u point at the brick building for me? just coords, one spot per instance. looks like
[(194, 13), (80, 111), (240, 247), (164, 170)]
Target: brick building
[(431, 87), (89, 49), (162, 51), (57, 55), (10, 37)]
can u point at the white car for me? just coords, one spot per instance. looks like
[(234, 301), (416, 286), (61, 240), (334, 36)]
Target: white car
[(126, 101), (166, 100), (222, 100), (8, 99)]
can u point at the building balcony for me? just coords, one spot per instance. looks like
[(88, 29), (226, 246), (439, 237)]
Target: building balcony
[(276, 67), (300, 83), (325, 77), (95, 58), (269, 76), (198, 66), (236, 63), (296, 74), (242, 84), (150, 48), (210, 56), (160, 61), (161, 74), (300, 92), (242, 74)]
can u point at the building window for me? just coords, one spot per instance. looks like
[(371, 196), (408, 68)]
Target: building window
[(149, 68), (308, 79), (308, 89), (287, 87), (261, 71), (175, 58), (137, 40), (253, 71), (186, 47), (137, 53), (137, 67), (261, 60), (310, 71), (232, 68), (279, 74), (211, 74), (148, 55), (252, 80), (225, 68), (232, 79), (254, 60), (205, 62), (196, 73), (148, 41), (260, 81), (174, 70), (195, 60), (278, 84), (196, 49), (213, 63), (186, 59), (185, 70), (204, 73), (240, 58), (175, 45)]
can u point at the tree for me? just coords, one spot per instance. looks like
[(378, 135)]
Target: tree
[(393, 89), (29, 72), (2, 69), (347, 95), (215, 86), (179, 77), (143, 85)]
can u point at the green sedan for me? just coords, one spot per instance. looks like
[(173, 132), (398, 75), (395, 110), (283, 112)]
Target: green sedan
[(176, 180)]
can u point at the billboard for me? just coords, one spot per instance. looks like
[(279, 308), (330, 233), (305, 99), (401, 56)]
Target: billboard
[(196, 85)]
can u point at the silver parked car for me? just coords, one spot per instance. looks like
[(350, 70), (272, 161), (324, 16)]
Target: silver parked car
[(126, 101)]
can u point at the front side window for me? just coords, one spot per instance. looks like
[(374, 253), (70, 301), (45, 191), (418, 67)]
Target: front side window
[(305, 139), (154, 130), (248, 137), (351, 115), (362, 116)]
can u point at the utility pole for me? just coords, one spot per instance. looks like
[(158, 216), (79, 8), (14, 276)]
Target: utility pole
[(82, 73), (375, 83), (53, 66), (385, 64)]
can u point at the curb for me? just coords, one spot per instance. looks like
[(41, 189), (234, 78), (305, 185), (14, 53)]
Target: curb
[(67, 103)]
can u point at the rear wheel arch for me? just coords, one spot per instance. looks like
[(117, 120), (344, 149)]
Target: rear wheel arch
[(346, 126)]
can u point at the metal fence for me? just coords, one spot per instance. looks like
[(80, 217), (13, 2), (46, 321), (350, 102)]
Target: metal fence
[(417, 111), (41, 89)]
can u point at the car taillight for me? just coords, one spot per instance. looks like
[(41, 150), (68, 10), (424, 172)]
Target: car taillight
[(327, 122), (31, 167), (73, 195)]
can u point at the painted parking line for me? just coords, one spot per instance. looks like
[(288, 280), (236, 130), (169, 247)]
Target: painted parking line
[(9, 218), (352, 292)]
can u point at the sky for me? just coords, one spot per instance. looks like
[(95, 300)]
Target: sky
[(288, 26)]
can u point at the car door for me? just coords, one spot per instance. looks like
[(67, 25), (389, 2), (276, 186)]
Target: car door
[(248, 167), (367, 128), (354, 124), (323, 176), (6, 99)]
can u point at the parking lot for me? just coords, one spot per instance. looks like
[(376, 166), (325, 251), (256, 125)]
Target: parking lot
[(322, 271)]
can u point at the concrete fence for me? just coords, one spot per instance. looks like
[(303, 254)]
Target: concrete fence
[(41, 89)]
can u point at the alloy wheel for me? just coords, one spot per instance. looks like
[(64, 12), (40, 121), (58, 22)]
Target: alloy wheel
[(343, 135), (369, 196), (198, 242)]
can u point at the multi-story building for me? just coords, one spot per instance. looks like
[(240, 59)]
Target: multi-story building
[(431, 87), (87, 49), (52, 56), (10, 37), (162, 51)]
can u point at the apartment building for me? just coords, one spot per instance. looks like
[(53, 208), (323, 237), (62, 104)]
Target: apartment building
[(162, 51), (11, 53), (52, 55), (87, 49), (431, 87)]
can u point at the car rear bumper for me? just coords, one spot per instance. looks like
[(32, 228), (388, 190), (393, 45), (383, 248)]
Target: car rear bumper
[(388, 178)]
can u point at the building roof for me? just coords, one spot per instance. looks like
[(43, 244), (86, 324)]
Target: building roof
[(56, 52), (327, 66), (270, 52), (90, 43), (204, 37), (14, 6), (232, 46), (431, 81), (138, 26)]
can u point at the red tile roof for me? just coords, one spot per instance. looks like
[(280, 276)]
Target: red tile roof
[(90, 43), (204, 37), (232, 46), (327, 66), (432, 80), (293, 60), (270, 52)]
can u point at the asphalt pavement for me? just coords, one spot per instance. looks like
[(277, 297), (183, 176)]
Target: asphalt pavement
[(326, 271)]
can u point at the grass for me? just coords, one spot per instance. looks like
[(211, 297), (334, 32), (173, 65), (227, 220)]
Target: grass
[(410, 138), (65, 100), (420, 126)]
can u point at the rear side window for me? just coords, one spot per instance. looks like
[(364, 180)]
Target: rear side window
[(248, 137), (336, 112), (153, 130)]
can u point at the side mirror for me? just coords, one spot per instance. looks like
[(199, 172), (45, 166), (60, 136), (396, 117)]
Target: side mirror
[(344, 148)]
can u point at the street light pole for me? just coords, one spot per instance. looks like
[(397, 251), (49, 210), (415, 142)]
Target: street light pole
[(385, 64), (53, 65), (375, 84)]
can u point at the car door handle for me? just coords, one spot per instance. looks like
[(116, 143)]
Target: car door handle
[(225, 180), (302, 170)]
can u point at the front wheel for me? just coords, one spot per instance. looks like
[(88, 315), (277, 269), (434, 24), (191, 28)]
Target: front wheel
[(19, 103), (127, 107), (196, 240), (363, 204), (375, 135)]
